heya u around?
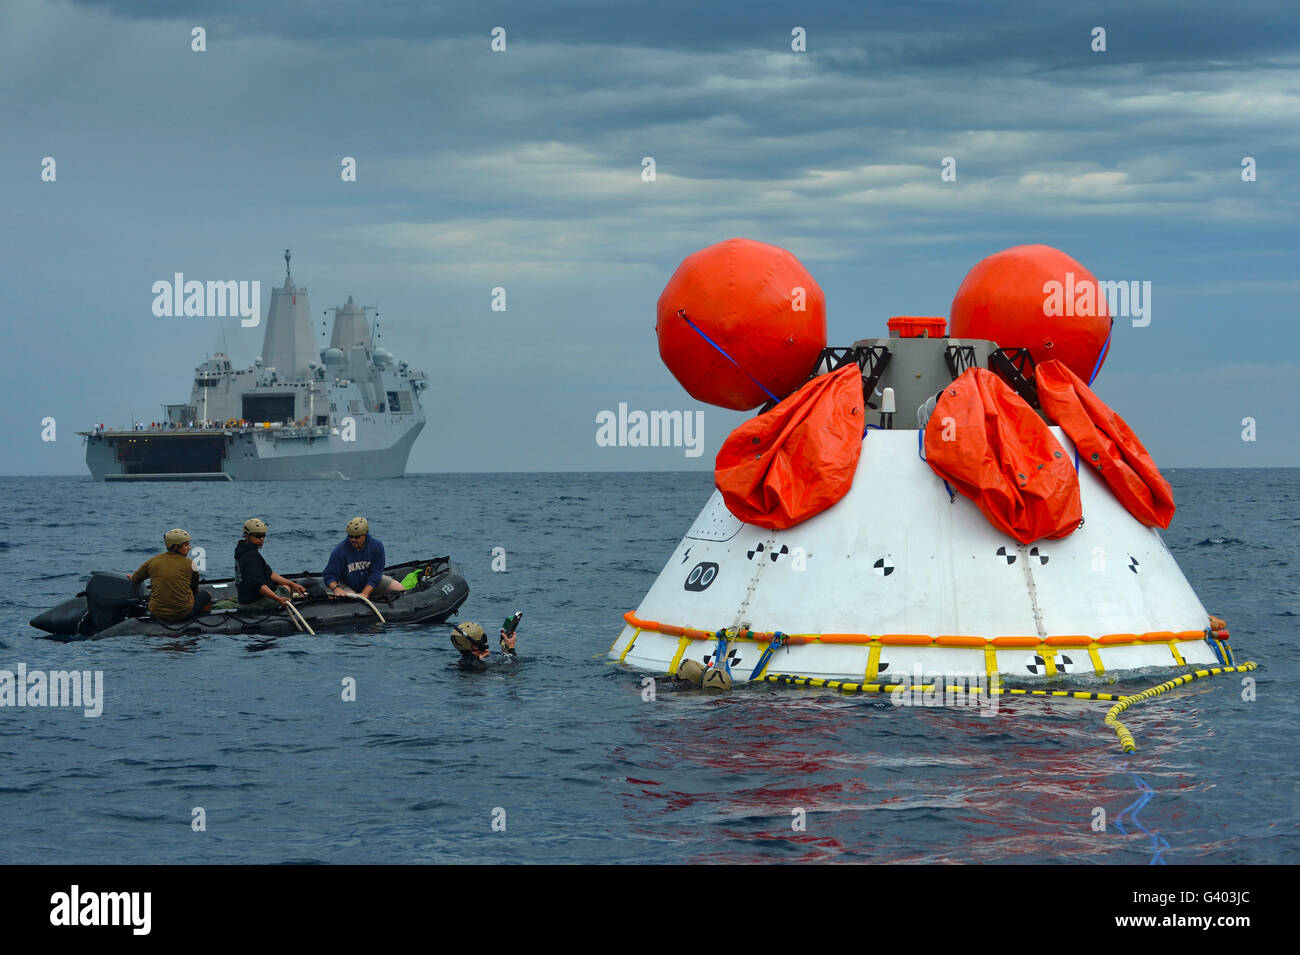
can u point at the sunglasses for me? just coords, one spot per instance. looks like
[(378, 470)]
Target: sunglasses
[(355, 537), (258, 536)]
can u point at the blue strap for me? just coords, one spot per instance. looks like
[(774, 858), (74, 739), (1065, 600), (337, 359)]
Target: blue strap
[(1214, 645), (682, 313), (778, 640), (920, 453), (1104, 348), (719, 654)]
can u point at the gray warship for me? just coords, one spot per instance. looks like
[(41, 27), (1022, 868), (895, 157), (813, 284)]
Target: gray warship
[(347, 411)]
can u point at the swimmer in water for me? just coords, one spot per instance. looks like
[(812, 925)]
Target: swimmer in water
[(470, 639)]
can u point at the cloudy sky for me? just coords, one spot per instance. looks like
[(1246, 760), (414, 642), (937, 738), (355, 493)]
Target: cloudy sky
[(522, 169)]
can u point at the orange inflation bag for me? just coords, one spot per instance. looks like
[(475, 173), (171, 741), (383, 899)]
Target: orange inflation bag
[(984, 440), (1106, 443), (792, 463)]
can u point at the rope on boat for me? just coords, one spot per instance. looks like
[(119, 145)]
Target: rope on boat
[(366, 600), (298, 619)]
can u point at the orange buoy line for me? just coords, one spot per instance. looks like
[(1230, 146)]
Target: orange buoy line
[(925, 640)]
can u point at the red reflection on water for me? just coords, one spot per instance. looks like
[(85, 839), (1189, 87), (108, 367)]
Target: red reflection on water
[(884, 783)]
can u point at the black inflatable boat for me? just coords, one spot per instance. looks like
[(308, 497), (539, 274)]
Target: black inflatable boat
[(111, 606)]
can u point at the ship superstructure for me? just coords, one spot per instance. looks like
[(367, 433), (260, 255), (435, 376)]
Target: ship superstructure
[(349, 410)]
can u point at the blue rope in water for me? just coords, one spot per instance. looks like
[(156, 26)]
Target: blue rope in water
[(1158, 842), (682, 313)]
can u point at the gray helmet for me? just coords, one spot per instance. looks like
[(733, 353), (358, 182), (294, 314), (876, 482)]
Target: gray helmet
[(176, 536), (254, 525), (358, 525)]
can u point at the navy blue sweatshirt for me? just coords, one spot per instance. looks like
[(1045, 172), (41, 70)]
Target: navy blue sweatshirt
[(355, 568)]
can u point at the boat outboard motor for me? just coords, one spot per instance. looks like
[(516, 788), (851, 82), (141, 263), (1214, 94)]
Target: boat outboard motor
[(109, 595)]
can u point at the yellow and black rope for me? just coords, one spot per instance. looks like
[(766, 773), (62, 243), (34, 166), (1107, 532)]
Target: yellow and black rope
[(1122, 703)]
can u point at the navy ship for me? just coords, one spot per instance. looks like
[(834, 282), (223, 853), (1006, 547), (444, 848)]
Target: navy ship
[(347, 411)]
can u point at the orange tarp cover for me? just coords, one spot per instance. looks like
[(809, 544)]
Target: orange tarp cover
[(984, 440), (798, 459), (1106, 443)]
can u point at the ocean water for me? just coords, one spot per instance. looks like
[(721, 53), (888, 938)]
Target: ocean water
[(560, 759)]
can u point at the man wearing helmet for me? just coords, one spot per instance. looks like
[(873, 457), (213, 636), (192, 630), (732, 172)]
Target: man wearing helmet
[(471, 640), (253, 575), (356, 565), (174, 593)]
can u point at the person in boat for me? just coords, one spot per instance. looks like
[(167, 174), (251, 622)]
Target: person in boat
[(471, 640), (174, 583), (356, 565), (254, 577)]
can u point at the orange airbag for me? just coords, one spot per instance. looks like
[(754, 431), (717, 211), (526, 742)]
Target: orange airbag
[(792, 463), (1105, 443), (985, 441)]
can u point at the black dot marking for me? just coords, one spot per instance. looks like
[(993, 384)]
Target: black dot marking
[(1002, 552)]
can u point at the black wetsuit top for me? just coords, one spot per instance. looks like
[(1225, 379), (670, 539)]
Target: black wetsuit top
[(472, 663), (251, 572)]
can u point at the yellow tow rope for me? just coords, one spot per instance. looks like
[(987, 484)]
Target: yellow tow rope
[(1121, 731), (1123, 702)]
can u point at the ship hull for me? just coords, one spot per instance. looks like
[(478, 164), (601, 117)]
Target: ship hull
[(381, 450)]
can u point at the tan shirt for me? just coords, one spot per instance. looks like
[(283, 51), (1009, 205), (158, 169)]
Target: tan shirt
[(175, 582)]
